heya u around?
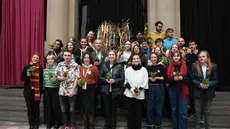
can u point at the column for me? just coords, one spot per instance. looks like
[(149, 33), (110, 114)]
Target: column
[(57, 21), (167, 11), (151, 15), (73, 18)]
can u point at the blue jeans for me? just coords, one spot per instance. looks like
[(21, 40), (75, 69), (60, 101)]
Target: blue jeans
[(155, 103), (68, 108), (179, 108)]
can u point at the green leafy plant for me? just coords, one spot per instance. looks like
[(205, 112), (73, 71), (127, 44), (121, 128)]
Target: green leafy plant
[(65, 74), (50, 74), (108, 75), (206, 81), (81, 81), (136, 89), (153, 74), (122, 49), (177, 73), (165, 48), (31, 69)]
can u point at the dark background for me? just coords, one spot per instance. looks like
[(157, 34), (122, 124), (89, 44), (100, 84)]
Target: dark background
[(208, 23)]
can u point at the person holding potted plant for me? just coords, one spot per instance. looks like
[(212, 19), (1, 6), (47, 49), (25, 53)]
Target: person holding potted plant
[(32, 75), (155, 93), (67, 72), (205, 78), (178, 91), (88, 81), (52, 109), (111, 79), (136, 81)]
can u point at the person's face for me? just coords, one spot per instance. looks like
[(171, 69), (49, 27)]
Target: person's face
[(181, 42), (174, 48), (127, 45), (57, 45), (158, 50), (98, 44), (83, 43), (159, 27), (144, 45), (112, 56), (153, 58), (50, 60), (90, 35), (139, 36), (86, 59), (192, 46), (170, 34), (67, 56), (176, 57), (203, 58), (136, 50), (35, 59), (136, 60), (159, 44), (70, 46)]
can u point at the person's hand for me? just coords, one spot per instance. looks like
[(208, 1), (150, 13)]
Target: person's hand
[(203, 86), (63, 78), (135, 93), (152, 79), (28, 74), (167, 86), (176, 78), (111, 81), (52, 79), (180, 77)]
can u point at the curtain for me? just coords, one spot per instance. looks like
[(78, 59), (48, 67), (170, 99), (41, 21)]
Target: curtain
[(116, 11), (208, 23), (22, 33)]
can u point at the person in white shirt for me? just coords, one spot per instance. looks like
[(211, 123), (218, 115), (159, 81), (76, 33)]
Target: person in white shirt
[(136, 81)]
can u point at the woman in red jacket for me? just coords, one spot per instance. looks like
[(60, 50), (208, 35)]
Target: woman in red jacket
[(88, 80)]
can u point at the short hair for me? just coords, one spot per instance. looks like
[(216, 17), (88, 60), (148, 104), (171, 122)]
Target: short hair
[(74, 39), (158, 22), (52, 55), (169, 29), (58, 40), (90, 58), (158, 57), (191, 41), (159, 40)]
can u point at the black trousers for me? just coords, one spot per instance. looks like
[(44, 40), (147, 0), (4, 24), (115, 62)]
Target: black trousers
[(33, 110), (134, 119), (167, 107), (110, 107), (52, 108)]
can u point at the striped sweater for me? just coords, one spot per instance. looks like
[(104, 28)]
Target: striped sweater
[(49, 71)]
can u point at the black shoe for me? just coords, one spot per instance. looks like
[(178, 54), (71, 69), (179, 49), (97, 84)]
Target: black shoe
[(48, 127), (91, 126), (36, 127), (31, 127), (56, 126)]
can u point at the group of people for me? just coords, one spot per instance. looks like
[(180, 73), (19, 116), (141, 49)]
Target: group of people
[(147, 74)]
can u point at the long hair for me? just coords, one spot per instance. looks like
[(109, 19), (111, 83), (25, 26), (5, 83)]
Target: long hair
[(170, 55), (115, 61), (209, 63)]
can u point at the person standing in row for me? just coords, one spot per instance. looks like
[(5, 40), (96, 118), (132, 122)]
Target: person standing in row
[(112, 79), (136, 81), (52, 109), (155, 93), (205, 78), (32, 75), (66, 73), (178, 91), (88, 81)]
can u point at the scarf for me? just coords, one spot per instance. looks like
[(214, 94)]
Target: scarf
[(136, 67), (34, 80), (183, 70)]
